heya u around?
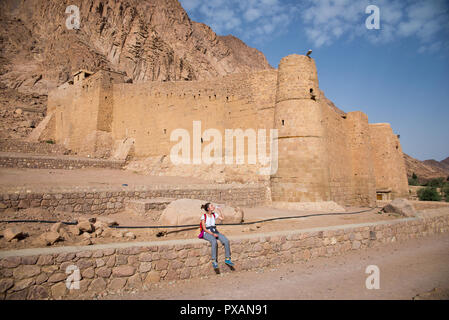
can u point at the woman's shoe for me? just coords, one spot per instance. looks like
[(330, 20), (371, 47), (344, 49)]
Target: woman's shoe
[(229, 262), (215, 264)]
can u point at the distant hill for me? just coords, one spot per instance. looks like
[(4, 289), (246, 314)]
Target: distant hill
[(436, 163), (446, 162), (428, 169)]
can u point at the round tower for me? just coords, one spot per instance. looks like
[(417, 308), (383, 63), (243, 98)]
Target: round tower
[(303, 172)]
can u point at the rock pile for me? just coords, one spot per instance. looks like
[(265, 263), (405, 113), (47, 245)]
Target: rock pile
[(85, 230)]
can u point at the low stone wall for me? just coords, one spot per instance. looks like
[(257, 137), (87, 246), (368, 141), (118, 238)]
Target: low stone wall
[(41, 273), (31, 147), (11, 160), (112, 200)]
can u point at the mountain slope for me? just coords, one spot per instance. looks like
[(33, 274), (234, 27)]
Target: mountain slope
[(425, 170), (147, 39)]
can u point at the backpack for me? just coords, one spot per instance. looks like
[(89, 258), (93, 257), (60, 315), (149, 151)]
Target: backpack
[(201, 235)]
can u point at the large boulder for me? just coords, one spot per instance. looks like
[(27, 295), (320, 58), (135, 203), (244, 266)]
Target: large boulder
[(401, 207), (188, 211)]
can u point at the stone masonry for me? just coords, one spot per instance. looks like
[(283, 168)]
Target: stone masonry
[(31, 161), (112, 268), (108, 201)]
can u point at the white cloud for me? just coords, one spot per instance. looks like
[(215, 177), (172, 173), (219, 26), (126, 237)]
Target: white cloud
[(327, 21), (251, 19)]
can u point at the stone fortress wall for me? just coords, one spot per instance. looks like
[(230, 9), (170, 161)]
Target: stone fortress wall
[(323, 155)]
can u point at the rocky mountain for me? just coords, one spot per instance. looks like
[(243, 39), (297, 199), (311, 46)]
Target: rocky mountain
[(147, 39), (426, 170), (440, 164)]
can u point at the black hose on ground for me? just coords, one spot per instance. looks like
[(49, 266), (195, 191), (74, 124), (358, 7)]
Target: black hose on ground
[(195, 225)]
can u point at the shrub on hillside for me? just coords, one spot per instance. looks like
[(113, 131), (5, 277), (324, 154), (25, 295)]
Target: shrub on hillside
[(428, 194)]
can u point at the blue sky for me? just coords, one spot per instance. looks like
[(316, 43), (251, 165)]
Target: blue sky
[(397, 74)]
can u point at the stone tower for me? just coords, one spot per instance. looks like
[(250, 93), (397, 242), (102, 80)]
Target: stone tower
[(303, 173)]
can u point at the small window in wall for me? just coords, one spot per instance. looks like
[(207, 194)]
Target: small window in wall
[(283, 123), (165, 131)]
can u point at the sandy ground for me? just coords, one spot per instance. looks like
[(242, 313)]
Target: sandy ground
[(412, 269), (91, 177)]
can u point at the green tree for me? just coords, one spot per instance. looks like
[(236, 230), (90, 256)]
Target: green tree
[(429, 194), (445, 192), (413, 181), (436, 183)]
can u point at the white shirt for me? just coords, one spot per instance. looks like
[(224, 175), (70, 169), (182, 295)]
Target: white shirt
[(210, 221)]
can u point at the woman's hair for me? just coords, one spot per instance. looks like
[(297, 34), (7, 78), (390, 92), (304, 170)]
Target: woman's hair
[(205, 207)]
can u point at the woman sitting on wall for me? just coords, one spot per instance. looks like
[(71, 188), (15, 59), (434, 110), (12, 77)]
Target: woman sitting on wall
[(211, 233)]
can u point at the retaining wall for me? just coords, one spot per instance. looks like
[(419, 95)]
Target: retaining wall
[(41, 273), (112, 200), (20, 146), (8, 160)]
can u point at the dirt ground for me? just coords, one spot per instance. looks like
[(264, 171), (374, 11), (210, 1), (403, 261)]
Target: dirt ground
[(413, 269), (128, 218), (91, 177)]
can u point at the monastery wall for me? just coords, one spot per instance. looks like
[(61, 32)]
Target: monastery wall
[(339, 155), (322, 155), (361, 153), (82, 108), (389, 163), (150, 112)]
